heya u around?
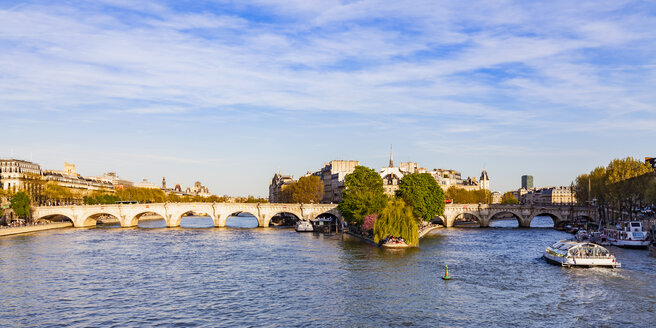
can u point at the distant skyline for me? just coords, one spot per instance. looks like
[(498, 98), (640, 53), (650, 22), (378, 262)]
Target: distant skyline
[(230, 92)]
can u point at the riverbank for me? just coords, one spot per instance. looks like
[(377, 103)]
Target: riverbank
[(34, 228), (429, 229)]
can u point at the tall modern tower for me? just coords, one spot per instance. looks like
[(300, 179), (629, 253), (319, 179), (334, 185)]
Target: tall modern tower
[(527, 181)]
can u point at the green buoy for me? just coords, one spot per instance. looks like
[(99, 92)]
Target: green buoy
[(446, 275)]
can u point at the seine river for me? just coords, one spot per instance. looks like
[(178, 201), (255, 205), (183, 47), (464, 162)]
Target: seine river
[(236, 277)]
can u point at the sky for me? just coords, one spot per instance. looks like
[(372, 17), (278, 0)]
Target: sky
[(230, 92)]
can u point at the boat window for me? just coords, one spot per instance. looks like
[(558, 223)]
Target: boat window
[(635, 224)]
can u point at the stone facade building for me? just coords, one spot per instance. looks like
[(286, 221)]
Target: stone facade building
[(278, 182), (332, 174), (547, 196), (115, 180), (452, 178), (70, 179), (18, 175), (198, 190), (392, 175), (145, 184)]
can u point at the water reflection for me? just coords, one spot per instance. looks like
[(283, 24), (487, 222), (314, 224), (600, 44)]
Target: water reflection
[(152, 223), (277, 277)]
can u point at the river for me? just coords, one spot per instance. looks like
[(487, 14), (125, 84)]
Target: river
[(272, 277)]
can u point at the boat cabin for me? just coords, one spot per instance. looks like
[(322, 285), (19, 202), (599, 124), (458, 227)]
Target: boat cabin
[(580, 250)]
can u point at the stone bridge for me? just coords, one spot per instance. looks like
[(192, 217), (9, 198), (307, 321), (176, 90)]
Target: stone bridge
[(484, 213), (128, 214)]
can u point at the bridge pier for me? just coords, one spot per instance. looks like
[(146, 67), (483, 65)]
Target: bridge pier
[(128, 222), (525, 222)]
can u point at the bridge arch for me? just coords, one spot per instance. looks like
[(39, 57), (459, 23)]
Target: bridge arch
[(134, 220), (505, 215), (466, 218), (242, 214), (91, 220), (57, 218), (555, 218), (283, 218), (175, 221)]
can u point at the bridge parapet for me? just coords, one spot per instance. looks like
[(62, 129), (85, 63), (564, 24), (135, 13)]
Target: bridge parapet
[(129, 214), (524, 213)]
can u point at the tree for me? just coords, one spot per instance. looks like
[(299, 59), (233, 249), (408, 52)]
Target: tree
[(396, 220), (308, 190), (509, 198), (369, 222), (464, 196), (142, 195), (56, 193), (363, 195), (620, 186), (20, 203), (101, 198), (421, 192)]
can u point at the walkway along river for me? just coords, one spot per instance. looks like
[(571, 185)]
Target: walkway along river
[(136, 277)]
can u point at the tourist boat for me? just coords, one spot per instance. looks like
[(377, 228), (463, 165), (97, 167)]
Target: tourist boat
[(628, 234), (394, 242), (572, 253), (303, 226)]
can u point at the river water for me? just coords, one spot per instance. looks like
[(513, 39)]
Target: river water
[(272, 277)]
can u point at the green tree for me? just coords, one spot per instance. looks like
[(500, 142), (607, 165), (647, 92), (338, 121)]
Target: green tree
[(396, 220), (421, 192), (464, 196), (56, 193), (363, 195), (307, 190), (142, 195), (509, 198), (20, 203)]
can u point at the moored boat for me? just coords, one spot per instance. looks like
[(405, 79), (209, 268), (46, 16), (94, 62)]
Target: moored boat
[(628, 234), (572, 253), (303, 226), (394, 242)]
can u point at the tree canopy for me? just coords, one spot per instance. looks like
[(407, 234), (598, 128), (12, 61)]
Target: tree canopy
[(396, 220), (20, 203), (142, 195), (509, 198), (621, 185), (308, 190), (363, 195), (421, 192), (464, 196)]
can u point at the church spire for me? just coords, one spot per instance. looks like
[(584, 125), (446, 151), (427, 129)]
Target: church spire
[(391, 163)]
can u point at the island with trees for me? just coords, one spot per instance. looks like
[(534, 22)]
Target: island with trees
[(392, 221)]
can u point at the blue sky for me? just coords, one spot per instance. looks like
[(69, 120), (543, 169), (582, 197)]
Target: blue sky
[(230, 92)]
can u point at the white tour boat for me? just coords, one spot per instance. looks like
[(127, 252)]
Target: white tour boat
[(628, 234), (572, 253), (303, 226)]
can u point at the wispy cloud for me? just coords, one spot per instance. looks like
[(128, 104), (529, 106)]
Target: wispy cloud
[(474, 68)]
